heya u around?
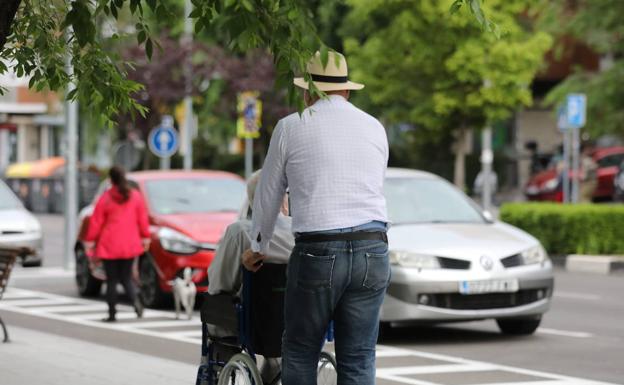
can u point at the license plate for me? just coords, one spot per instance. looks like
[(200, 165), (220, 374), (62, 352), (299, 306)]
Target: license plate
[(489, 286)]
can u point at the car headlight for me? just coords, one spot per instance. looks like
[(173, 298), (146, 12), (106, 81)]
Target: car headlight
[(551, 184), (535, 254), (408, 259), (176, 242)]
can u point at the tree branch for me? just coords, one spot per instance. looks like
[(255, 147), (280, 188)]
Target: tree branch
[(8, 9)]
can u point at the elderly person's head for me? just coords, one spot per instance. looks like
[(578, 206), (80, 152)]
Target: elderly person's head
[(252, 184)]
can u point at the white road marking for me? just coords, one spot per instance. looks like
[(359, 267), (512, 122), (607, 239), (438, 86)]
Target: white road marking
[(447, 364), (41, 272), (565, 333), (572, 295)]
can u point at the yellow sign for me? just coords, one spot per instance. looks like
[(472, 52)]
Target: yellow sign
[(249, 115)]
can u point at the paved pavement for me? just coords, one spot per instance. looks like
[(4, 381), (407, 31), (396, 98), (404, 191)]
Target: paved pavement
[(41, 358)]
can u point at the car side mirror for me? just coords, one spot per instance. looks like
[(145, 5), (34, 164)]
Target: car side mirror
[(488, 216)]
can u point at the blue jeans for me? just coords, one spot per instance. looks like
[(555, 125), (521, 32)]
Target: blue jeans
[(340, 280)]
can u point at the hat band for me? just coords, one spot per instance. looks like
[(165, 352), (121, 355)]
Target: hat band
[(329, 79)]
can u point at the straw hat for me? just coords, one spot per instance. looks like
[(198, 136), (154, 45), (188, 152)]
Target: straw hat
[(334, 77)]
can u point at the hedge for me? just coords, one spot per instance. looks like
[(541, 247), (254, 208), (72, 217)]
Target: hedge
[(570, 229)]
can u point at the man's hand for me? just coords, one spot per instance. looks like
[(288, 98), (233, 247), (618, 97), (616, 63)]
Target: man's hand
[(252, 261), (146, 243)]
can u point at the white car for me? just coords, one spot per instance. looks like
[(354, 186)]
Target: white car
[(19, 228), (452, 262)]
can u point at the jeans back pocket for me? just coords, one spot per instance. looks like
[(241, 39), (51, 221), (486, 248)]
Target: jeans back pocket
[(315, 271), (377, 271)]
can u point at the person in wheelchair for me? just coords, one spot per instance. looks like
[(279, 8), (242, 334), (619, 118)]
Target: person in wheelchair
[(224, 273), (267, 285)]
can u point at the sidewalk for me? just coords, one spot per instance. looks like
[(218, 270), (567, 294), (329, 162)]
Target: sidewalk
[(38, 358)]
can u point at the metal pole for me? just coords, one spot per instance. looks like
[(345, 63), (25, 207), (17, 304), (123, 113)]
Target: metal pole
[(576, 165), (566, 166), (188, 101), (165, 163), (487, 158), (71, 180), (248, 157)]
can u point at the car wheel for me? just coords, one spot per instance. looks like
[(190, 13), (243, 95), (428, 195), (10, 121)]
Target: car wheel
[(88, 285), (151, 294), (518, 326)]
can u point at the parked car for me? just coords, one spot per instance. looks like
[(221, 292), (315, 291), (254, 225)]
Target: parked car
[(188, 213), (19, 228), (548, 184), (452, 262), (608, 161), (618, 185)]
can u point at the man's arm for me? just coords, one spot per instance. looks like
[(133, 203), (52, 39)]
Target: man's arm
[(270, 191)]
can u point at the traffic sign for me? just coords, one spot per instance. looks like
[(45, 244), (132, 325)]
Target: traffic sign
[(576, 105), (249, 115), (163, 140)]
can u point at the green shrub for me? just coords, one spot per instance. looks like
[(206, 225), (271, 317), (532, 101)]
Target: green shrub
[(570, 229)]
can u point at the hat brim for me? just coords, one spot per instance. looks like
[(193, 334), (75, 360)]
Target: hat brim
[(323, 86)]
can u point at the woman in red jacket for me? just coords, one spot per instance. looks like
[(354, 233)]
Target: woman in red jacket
[(119, 231)]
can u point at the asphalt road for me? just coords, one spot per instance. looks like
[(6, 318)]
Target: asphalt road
[(582, 337)]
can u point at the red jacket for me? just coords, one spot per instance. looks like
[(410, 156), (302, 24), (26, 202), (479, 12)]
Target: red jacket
[(118, 227)]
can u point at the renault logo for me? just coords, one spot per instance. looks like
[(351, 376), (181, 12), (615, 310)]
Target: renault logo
[(486, 262)]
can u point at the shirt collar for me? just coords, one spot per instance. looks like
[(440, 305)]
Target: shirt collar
[(331, 99)]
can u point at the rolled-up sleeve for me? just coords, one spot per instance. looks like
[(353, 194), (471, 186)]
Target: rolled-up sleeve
[(270, 191)]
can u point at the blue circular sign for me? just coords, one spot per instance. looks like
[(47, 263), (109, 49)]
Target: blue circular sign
[(163, 141)]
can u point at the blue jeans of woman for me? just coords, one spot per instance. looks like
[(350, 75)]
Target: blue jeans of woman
[(343, 281)]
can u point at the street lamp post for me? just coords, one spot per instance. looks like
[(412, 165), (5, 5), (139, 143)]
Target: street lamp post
[(188, 101), (71, 171)]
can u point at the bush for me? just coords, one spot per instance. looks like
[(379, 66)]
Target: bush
[(570, 229)]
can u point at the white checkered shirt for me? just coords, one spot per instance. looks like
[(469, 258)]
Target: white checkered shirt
[(333, 160)]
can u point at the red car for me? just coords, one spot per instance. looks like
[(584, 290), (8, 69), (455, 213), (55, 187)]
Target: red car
[(188, 213), (608, 160), (547, 185)]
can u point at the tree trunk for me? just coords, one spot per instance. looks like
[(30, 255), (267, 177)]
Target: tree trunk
[(8, 9)]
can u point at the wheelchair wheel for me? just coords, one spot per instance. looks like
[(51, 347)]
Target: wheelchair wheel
[(240, 370), (327, 373)]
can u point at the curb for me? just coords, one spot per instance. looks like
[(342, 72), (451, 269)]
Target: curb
[(597, 264)]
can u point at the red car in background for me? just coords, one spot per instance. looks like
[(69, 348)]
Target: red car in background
[(547, 185), (188, 213)]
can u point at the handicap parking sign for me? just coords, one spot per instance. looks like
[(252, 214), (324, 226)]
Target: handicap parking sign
[(163, 140), (576, 105)]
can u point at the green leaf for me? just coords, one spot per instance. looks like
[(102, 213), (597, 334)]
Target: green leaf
[(152, 4), (141, 37), (455, 7), (148, 48), (324, 55), (248, 5), (475, 7)]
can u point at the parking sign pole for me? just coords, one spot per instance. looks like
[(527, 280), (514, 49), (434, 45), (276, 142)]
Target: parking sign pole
[(576, 164), (248, 157), (487, 158), (566, 166)]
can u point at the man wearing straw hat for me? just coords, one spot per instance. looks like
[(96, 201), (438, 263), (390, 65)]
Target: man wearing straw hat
[(333, 159)]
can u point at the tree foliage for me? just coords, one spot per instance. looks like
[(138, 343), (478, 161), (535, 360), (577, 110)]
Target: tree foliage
[(599, 24), (438, 71), (44, 32)]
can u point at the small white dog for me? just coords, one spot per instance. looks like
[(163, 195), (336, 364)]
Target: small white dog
[(184, 291)]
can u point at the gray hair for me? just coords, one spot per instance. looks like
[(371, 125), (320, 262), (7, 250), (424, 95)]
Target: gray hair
[(252, 183)]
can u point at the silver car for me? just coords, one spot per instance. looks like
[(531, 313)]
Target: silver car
[(18, 227), (452, 262)]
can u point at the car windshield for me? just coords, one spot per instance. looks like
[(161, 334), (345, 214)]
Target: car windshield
[(8, 200), (427, 200), (178, 196)]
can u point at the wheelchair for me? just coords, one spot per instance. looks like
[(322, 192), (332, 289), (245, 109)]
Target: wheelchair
[(258, 318)]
